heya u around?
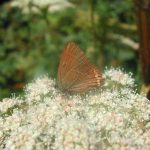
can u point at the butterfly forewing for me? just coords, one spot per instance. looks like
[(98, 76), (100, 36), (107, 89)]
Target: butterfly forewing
[(70, 59), (75, 72)]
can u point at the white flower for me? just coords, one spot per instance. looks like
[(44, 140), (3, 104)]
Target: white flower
[(74, 134), (116, 117), (34, 5), (41, 87), (9, 103), (118, 76)]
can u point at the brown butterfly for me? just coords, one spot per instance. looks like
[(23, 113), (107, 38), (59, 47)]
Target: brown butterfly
[(75, 73)]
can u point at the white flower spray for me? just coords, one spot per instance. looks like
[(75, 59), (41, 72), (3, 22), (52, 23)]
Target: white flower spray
[(112, 117), (34, 6)]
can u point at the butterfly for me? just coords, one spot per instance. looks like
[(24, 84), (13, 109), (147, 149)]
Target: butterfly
[(75, 73)]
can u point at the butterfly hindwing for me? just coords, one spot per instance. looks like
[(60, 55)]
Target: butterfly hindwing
[(88, 80)]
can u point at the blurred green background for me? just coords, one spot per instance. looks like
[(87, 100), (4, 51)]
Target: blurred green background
[(33, 35)]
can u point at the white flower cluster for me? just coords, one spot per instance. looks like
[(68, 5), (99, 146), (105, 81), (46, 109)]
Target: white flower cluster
[(112, 117), (119, 76), (9, 103), (34, 5)]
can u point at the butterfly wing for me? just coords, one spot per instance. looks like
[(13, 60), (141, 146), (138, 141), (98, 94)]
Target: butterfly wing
[(75, 72), (89, 79), (69, 60)]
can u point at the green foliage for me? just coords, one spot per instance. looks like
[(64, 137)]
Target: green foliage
[(30, 44)]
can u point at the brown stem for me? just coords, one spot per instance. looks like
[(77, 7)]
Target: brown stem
[(143, 17)]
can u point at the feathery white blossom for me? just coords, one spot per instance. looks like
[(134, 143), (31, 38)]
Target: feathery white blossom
[(119, 76), (35, 5), (113, 117)]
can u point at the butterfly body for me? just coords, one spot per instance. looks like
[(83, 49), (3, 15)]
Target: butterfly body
[(75, 73)]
